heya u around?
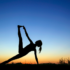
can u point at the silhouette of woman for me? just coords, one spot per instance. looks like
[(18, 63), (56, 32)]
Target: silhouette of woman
[(23, 51)]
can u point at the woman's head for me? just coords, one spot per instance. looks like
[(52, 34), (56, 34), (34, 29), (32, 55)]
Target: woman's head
[(39, 44)]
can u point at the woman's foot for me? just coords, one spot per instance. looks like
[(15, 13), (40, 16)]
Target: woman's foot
[(19, 26)]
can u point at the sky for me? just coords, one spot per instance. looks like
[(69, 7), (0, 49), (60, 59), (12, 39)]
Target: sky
[(46, 20)]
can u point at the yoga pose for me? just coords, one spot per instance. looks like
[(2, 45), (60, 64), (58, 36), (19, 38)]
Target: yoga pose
[(23, 51)]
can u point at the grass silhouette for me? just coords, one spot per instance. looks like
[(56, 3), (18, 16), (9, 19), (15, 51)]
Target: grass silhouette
[(46, 66), (20, 64)]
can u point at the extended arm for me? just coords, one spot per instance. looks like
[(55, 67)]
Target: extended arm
[(27, 35), (36, 56)]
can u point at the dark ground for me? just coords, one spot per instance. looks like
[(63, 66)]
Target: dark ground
[(46, 66)]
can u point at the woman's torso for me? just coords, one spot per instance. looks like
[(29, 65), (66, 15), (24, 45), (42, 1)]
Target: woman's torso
[(28, 48)]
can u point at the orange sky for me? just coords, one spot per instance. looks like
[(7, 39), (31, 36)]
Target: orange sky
[(31, 59)]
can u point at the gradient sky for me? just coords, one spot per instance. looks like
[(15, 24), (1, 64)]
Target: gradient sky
[(47, 20)]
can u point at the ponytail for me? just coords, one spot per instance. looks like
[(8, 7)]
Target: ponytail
[(40, 49)]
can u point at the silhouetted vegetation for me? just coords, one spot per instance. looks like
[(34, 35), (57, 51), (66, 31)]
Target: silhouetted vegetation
[(68, 61), (20, 64), (63, 61), (35, 66)]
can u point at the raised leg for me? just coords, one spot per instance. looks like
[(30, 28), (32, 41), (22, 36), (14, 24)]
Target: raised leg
[(20, 40)]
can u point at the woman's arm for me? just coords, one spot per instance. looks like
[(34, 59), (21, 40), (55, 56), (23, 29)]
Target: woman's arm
[(36, 56), (27, 35)]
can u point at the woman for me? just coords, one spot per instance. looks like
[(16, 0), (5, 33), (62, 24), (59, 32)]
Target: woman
[(27, 49)]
